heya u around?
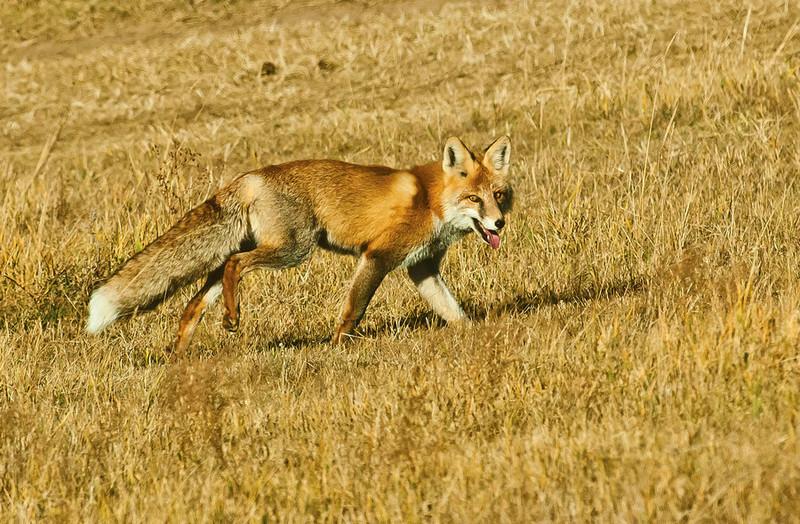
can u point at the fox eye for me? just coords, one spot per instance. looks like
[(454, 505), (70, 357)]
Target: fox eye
[(474, 198)]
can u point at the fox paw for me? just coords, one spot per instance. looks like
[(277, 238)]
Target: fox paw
[(230, 323)]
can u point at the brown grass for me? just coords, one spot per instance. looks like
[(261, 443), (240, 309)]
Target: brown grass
[(635, 349)]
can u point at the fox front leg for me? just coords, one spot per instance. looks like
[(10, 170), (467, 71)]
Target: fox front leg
[(369, 275), (426, 277)]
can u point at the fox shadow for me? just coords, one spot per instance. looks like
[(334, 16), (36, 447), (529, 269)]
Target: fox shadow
[(523, 303)]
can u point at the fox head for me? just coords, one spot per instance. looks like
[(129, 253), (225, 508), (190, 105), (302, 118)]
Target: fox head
[(477, 193)]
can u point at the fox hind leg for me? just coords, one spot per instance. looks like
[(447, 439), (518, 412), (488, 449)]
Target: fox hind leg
[(195, 309), (284, 232), (288, 255)]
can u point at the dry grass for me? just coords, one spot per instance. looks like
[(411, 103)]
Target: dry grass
[(635, 349)]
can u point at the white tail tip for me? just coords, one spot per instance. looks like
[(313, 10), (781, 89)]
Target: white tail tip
[(102, 311)]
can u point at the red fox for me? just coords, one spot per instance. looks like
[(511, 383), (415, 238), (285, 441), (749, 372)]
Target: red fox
[(274, 217)]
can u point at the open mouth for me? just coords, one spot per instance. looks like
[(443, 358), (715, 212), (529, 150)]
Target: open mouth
[(490, 236)]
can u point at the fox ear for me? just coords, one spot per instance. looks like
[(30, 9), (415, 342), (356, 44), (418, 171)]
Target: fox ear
[(455, 156), (498, 155)]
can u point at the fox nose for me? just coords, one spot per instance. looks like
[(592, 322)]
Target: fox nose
[(498, 224)]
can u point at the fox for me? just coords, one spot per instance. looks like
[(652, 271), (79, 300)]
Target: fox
[(274, 217)]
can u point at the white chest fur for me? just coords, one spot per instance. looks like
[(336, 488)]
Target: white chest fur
[(443, 236)]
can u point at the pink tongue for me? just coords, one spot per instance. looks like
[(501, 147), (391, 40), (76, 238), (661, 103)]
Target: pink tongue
[(494, 239)]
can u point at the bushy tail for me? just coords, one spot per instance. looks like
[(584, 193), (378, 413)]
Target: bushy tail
[(197, 244)]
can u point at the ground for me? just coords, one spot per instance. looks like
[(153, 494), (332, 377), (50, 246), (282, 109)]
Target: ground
[(633, 354)]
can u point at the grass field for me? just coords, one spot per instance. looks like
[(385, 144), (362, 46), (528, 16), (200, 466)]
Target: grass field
[(634, 351)]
